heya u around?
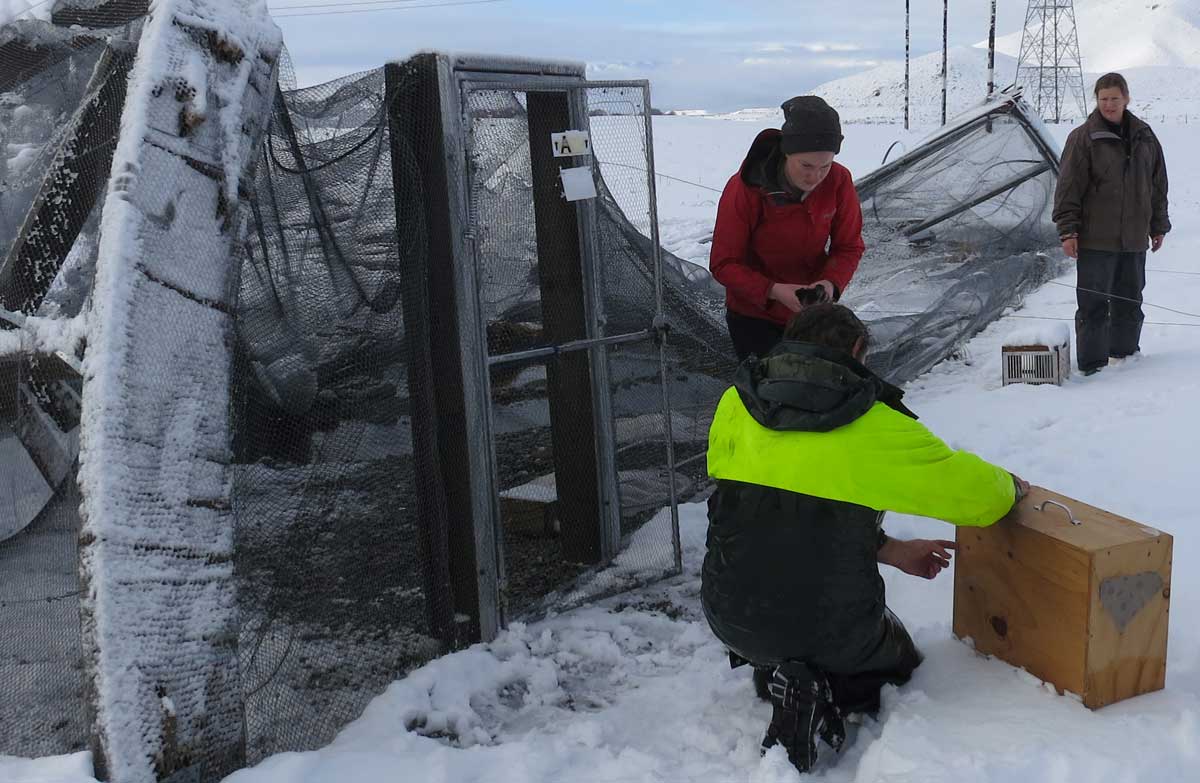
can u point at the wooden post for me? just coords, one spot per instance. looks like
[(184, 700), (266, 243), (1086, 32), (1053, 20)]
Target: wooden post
[(441, 442), (907, 51), (945, 54), (991, 87), (568, 378)]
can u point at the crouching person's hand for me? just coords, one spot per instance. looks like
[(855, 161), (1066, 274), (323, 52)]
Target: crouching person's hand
[(920, 557)]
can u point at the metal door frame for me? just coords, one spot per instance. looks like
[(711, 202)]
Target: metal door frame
[(477, 362)]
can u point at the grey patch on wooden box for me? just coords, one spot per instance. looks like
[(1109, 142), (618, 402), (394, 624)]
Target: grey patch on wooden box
[(1124, 596)]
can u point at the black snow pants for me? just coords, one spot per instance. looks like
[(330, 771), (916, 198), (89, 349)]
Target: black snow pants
[(752, 335), (1108, 323), (891, 663), (856, 683)]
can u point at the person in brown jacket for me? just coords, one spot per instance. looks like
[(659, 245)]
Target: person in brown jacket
[(1110, 206)]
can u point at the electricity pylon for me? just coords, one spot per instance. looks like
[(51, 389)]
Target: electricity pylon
[(1049, 68)]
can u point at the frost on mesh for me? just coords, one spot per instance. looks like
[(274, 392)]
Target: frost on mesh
[(62, 88), (159, 617)]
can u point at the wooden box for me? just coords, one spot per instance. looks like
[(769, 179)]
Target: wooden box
[(1079, 599)]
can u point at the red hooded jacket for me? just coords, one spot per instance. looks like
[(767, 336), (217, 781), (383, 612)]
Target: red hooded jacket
[(763, 235)]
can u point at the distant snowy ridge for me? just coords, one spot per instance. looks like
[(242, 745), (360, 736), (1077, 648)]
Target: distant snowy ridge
[(1156, 45), (877, 95), (1119, 35)]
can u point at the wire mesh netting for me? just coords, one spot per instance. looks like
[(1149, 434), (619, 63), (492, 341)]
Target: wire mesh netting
[(330, 573), (954, 231), (61, 95), (551, 417)]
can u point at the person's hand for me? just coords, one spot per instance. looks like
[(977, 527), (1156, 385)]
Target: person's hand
[(828, 286), (785, 294), (1021, 484), (918, 557), (1071, 247), (1156, 242)]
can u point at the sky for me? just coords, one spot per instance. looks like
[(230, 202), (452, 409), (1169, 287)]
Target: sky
[(718, 55)]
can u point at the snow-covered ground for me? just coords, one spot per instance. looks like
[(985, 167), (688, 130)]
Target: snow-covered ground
[(637, 689)]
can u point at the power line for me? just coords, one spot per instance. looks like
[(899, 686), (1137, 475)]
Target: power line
[(657, 174), (875, 310), (1127, 299), (1171, 271), (339, 5), (403, 6)]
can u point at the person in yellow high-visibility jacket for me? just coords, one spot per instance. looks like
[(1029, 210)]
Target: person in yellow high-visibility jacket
[(809, 448)]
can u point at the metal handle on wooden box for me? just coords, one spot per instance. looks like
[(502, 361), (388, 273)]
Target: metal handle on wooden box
[(1070, 514)]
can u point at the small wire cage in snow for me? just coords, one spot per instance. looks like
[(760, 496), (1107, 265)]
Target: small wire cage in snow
[(1036, 363), (1041, 355)]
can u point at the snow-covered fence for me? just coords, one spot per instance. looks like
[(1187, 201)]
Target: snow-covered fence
[(333, 383), (159, 607), (132, 139), (398, 479), (61, 95)]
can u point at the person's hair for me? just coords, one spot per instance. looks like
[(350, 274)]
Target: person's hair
[(831, 325), (1110, 80)]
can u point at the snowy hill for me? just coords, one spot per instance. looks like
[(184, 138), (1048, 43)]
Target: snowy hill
[(1165, 33), (1155, 43), (877, 95)]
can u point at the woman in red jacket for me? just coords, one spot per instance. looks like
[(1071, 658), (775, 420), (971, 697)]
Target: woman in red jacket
[(789, 226)]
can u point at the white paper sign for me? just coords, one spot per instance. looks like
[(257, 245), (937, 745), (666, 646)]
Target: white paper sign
[(570, 143), (578, 183)]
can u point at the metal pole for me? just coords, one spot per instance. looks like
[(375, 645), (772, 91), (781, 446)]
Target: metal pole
[(907, 50), (1057, 66), (1042, 62), (945, 53), (991, 87), (661, 325)]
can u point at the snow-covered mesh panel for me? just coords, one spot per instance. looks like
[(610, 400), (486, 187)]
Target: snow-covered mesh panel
[(61, 95), (953, 232), (159, 614)]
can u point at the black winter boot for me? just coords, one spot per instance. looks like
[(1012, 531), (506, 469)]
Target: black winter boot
[(762, 682), (803, 711)]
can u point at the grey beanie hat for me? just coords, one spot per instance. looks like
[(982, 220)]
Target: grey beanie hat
[(810, 125)]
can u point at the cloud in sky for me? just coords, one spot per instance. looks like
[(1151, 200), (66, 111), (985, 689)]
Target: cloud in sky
[(713, 54)]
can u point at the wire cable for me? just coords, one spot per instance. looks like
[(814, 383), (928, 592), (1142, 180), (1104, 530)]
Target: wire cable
[(319, 5), (403, 6), (874, 310), (658, 174), (1127, 299), (1171, 271)]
